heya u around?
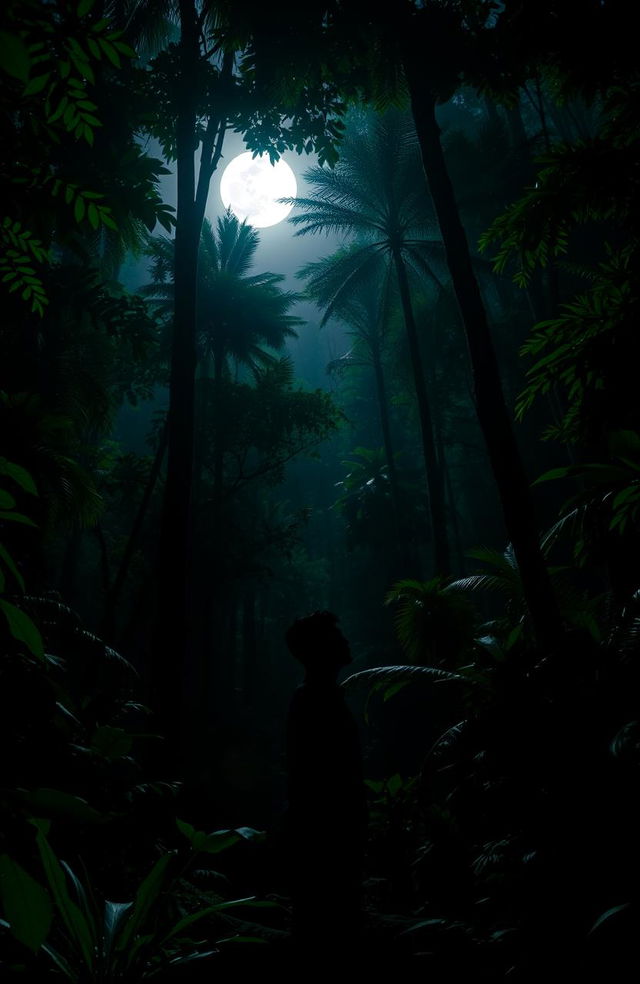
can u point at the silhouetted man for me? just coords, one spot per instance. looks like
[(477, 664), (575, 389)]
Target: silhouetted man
[(327, 806)]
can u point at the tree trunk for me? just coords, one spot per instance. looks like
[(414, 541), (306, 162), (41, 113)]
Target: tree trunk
[(385, 428), (113, 595), (493, 417), (171, 642), (249, 646), (435, 484)]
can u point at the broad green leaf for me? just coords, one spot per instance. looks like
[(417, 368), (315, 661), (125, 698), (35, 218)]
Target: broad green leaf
[(37, 85), (92, 212), (19, 475), (84, 7), (125, 49), (26, 904), (73, 918), (15, 517), (107, 220), (83, 897), (394, 784), (62, 108), (554, 473), (23, 628), (146, 896), (6, 500), (186, 829), (110, 52), (14, 57)]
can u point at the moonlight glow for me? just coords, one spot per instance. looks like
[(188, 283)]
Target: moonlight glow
[(251, 187)]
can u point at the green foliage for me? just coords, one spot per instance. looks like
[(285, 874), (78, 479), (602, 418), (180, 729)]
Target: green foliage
[(107, 941), (68, 712), (270, 422), (502, 576), (586, 189), (25, 903), (365, 496), (434, 621), (588, 351), (20, 250), (45, 441), (239, 316), (390, 680), (21, 627), (219, 840), (591, 180), (376, 194), (609, 497), (64, 64)]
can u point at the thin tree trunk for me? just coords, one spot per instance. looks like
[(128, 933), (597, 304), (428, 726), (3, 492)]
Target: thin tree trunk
[(105, 567), (172, 628), (385, 428), (113, 595), (504, 455), (172, 644), (249, 645), (434, 476), (69, 573)]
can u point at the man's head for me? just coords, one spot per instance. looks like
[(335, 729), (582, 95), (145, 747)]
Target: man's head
[(317, 642)]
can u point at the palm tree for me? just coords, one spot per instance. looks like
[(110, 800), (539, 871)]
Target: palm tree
[(365, 313), (377, 192), (238, 317)]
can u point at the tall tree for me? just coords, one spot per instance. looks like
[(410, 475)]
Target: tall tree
[(433, 45), (238, 316), (197, 89), (365, 313), (377, 193)]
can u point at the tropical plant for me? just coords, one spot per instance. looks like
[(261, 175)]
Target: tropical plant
[(59, 67), (112, 941), (21, 626), (376, 192), (237, 314), (435, 622), (365, 314), (239, 317)]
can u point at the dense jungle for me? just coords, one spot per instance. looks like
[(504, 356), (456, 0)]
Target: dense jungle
[(413, 403)]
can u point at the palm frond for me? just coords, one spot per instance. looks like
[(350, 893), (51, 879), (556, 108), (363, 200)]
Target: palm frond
[(381, 676)]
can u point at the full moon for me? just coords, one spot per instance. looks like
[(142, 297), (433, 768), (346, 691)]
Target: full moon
[(251, 187)]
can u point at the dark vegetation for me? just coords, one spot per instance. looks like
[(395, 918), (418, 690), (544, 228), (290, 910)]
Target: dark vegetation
[(180, 478)]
